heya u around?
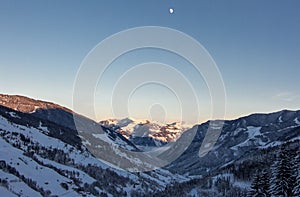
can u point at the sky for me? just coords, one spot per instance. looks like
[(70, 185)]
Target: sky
[(255, 44)]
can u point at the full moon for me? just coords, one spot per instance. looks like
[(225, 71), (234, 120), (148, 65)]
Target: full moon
[(171, 10)]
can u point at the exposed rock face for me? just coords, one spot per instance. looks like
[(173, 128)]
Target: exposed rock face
[(27, 105)]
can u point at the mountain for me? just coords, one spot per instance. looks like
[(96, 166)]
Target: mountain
[(27, 105), (39, 156), (245, 147), (63, 117), (145, 134), (238, 138), (43, 152)]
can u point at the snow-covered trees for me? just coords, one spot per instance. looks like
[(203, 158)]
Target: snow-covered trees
[(296, 189), (282, 177), (260, 185)]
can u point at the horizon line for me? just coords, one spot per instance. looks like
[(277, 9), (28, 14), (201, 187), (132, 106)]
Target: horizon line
[(166, 122)]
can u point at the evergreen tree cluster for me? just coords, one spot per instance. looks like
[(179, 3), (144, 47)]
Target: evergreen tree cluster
[(283, 180)]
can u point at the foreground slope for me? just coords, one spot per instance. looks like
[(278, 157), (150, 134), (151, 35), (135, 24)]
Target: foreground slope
[(41, 157)]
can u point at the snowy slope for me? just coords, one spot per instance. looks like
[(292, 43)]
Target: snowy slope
[(17, 186), (42, 154), (238, 138), (41, 164), (33, 170)]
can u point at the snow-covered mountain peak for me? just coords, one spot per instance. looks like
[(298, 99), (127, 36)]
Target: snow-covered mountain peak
[(143, 128)]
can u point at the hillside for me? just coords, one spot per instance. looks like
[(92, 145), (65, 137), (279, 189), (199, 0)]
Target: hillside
[(43, 152)]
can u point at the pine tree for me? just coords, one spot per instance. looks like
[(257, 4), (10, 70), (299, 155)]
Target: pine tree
[(296, 189), (281, 183), (265, 186), (254, 186), (260, 185)]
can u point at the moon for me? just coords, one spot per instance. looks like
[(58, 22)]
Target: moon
[(171, 10)]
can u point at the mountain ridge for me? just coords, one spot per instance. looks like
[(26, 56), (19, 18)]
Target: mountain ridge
[(27, 105), (12, 101), (246, 145)]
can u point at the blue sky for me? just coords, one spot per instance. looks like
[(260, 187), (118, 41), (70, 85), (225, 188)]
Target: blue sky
[(255, 44)]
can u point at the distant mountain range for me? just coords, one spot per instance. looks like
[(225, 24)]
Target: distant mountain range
[(146, 134), (43, 153)]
